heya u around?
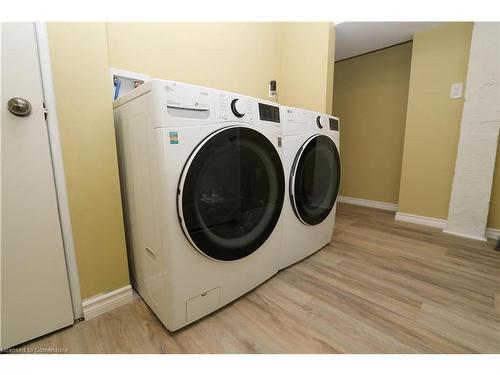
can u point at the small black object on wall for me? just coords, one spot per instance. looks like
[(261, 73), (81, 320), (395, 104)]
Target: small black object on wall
[(498, 245), (272, 85)]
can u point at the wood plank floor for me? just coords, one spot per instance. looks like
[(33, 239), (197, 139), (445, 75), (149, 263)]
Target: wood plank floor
[(380, 287)]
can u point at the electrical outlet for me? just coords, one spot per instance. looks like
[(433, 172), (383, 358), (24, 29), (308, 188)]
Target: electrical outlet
[(456, 90), (272, 89)]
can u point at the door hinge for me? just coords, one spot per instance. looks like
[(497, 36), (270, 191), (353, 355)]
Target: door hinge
[(45, 110)]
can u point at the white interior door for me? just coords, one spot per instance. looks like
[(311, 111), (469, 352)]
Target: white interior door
[(35, 296)]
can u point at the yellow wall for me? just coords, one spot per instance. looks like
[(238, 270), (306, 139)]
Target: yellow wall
[(440, 57), (494, 214), (370, 96), (240, 57), (307, 59), (82, 85)]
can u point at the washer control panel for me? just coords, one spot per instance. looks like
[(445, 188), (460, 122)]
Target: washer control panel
[(187, 97), (269, 112), (234, 108), (238, 107)]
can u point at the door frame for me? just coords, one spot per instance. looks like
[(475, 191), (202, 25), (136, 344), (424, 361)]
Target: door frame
[(42, 41)]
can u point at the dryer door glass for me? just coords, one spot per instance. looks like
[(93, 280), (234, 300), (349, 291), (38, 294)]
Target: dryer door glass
[(315, 179), (231, 193)]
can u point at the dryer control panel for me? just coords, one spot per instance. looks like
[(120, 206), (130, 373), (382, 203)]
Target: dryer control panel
[(326, 122), (333, 122)]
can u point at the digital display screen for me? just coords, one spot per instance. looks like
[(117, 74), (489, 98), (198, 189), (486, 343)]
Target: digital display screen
[(334, 124), (269, 113)]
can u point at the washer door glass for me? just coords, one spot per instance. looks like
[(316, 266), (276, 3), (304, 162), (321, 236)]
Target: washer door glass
[(315, 179), (231, 193)]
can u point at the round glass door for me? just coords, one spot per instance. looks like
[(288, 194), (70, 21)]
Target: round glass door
[(315, 179), (231, 193)]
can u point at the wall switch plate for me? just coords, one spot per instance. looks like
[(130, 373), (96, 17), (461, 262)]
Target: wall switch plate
[(456, 90)]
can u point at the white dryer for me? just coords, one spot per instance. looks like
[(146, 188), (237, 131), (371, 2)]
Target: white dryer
[(203, 189), (312, 171)]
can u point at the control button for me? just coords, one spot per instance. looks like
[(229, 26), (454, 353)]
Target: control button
[(224, 116), (238, 108), (318, 122)]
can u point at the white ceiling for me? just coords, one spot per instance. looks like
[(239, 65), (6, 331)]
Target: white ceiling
[(356, 38)]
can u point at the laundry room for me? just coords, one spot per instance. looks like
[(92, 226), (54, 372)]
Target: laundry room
[(311, 183)]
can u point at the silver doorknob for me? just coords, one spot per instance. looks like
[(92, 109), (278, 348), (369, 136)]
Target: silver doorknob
[(19, 107)]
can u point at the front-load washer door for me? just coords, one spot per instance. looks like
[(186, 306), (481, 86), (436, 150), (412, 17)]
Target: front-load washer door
[(315, 179), (231, 193)]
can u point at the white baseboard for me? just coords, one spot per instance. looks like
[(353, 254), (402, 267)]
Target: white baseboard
[(368, 203), (465, 235), (102, 303), (441, 223), (422, 220), (415, 219), (493, 233)]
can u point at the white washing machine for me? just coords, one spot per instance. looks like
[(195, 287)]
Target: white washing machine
[(203, 189), (312, 172)]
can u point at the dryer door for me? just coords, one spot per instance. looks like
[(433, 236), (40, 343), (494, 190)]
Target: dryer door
[(315, 179), (231, 193)]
